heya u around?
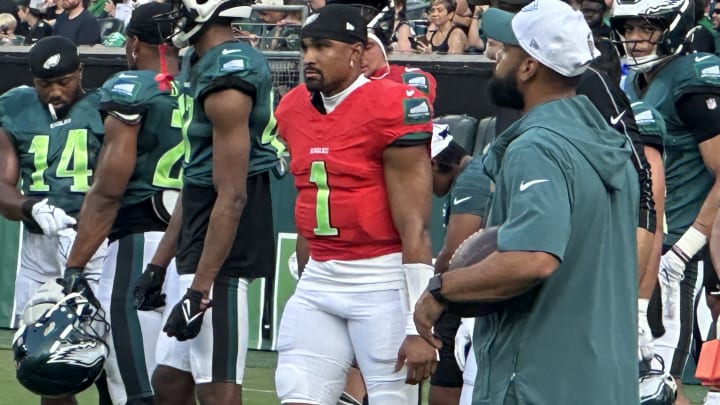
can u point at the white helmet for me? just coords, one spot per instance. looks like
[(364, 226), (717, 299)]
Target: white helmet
[(190, 16), (676, 17)]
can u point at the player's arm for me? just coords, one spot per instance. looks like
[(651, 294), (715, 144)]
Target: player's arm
[(459, 227), (302, 252), (657, 174), (229, 112), (701, 115), (10, 198), (115, 165)]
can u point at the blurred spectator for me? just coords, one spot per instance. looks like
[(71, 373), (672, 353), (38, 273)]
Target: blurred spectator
[(704, 37), (8, 6), (402, 32), (475, 41), (8, 23), (594, 12), (52, 10), (77, 24), (283, 33), (33, 19), (716, 19), (446, 37), (315, 5)]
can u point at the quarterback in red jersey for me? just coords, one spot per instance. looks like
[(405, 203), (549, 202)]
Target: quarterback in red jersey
[(376, 66), (361, 164)]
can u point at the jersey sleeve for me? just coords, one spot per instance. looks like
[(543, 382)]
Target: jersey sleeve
[(123, 97), (421, 80), (471, 193), (538, 204), (243, 69), (650, 123), (408, 117)]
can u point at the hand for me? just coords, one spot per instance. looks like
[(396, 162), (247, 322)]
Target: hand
[(424, 48), (420, 358), (186, 317), (671, 273), (463, 341), (50, 218), (74, 281), (427, 312), (148, 288)]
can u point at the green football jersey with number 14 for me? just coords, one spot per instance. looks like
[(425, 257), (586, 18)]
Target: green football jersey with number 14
[(230, 65), (134, 96), (57, 157), (686, 178)]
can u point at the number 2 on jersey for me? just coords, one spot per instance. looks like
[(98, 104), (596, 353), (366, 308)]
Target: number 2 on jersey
[(319, 177), (75, 151)]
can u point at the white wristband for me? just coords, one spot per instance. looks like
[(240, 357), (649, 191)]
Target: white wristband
[(691, 242), (643, 306), (417, 276)]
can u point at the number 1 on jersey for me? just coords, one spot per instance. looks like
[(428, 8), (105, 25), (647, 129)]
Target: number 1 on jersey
[(319, 177)]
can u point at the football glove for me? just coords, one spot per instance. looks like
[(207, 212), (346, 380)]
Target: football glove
[(148, 288), (49, 218), (671, 274), (74, 280), (463, 341), (186, 317), (646, 348)]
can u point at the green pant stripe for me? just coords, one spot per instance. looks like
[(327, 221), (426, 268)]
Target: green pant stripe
[(225, 329), (127, 335)]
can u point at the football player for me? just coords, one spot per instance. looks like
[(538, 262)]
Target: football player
[(376, 66), (49, 139), (225, 236), (460, 178), (362, 170), (684, 89), (138, 167)]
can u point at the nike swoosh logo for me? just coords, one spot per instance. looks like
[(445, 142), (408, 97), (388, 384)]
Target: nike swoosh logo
[(229, 51), (124, 76), (524, 186), (456, 201), (186, 313), (702, 58), (616, 119), (409, 93)]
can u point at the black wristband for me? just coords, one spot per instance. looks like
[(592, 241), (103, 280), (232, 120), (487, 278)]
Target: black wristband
[(74, 269), (194, 295), (155, 268), (27, 206)]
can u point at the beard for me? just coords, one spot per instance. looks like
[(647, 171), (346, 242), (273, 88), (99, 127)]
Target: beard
[(504, 92)]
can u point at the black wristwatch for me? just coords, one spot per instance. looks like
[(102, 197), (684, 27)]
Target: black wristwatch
[(434, 286)]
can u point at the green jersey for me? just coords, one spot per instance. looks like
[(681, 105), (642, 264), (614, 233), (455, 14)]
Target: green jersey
[(132, 97), (470, 192), (650, 123), (564, 185), (687, 181), (230, 65), (57, 157)]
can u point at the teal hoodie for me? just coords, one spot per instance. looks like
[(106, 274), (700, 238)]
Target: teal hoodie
[(564, 185)]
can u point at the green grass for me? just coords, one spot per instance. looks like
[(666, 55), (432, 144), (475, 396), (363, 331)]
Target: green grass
[(258, 387)]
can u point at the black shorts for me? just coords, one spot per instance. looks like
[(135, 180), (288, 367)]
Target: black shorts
[(252, 253), (710, 277), (447, 373)]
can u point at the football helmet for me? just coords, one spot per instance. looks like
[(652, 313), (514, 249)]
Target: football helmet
[(190, 16), (63, 352), (675, 17), (657, 387)]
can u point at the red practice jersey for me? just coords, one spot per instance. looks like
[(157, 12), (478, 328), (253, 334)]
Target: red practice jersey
[(414, 77), (342, 206)]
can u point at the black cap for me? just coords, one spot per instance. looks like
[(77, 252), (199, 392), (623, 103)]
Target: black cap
[(146, 28), (53, 57), (337, 22)]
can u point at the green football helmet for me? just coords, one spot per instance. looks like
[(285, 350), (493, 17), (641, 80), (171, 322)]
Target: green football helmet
[(657, 387), (63, 352), (674, 17)]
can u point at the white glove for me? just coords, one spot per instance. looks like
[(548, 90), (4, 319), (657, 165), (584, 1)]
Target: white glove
[(671, 274), (463, 341), (50, 218), (646, 347), (44, 298)]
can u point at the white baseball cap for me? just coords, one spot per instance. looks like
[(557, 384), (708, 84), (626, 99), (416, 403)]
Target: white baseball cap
[(440, 139), (549, 31)]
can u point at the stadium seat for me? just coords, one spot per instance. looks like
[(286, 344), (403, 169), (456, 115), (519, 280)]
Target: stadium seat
[(462, 127), (485, 135), (110, 25)]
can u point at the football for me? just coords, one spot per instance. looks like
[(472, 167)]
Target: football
[(473, 250)]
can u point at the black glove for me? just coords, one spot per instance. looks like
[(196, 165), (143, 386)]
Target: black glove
[(74, 281), (148, 288), (186, 317)]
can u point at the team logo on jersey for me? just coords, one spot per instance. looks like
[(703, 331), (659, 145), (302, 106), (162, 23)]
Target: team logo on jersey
[(711, 103), (708, 72), (124, 89), (51, 62), (417, 110), (233, 63), (418, 81)]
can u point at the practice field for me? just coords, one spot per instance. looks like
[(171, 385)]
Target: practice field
[(258, 389)]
